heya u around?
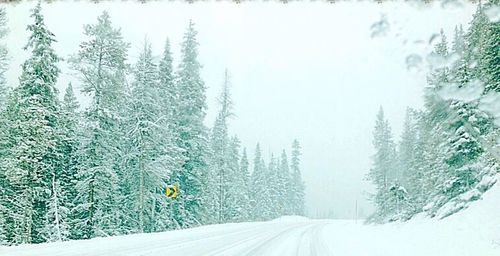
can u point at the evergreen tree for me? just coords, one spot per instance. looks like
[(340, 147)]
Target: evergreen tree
[(191, 134), (3, 100), (433, 131), (237, 196), (219, 140), (461, 70), (397, 196), (383, 172), (63, 181), (412, 149), (100, 63), (6, 188), (406, 148), (490, 57), (259, 198), (168, 90), (246, 187), (284, 180), (4, 89), (169, 101), (33, 113), (273, 204), (152, 155), (464, 151), (440, 75), (430, 153), (475, 41), (298, 199)]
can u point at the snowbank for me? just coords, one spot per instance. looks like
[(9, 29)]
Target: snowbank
[(474, 231)]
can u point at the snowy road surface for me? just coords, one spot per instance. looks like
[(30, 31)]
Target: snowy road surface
[(289, 236), (286, 236), (472, 232)]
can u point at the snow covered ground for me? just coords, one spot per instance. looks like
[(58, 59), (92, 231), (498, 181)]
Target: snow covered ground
[(474, 231)]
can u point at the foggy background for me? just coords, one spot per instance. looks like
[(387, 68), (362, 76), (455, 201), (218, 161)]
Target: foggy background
[(307, 70)]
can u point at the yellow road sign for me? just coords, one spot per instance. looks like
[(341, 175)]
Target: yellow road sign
[(171, 191)]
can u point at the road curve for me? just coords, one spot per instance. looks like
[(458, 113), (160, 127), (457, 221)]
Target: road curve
[(280, 237)]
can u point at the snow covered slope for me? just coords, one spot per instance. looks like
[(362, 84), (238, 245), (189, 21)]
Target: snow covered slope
[(472, 232)]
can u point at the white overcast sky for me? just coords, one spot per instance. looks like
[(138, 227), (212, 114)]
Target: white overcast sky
[(305, 70)]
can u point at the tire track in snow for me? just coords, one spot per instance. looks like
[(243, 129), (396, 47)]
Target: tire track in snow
[(256, 239), (252, 242), (269, 245), (158, 242), (208, 244), (318, 246), (202, 242), (312, 242), (304, 242)]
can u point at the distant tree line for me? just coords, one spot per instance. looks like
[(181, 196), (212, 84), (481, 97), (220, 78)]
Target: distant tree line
[(448, 152), (72, 174)]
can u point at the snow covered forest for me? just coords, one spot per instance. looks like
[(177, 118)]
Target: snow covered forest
[(285, 128), (449, 151), (71, 173)]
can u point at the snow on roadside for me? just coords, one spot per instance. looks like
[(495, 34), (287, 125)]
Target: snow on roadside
[(473, 231)]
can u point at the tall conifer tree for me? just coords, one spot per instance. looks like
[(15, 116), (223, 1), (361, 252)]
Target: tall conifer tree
[(191, 134), (33, 113), (100, 63)]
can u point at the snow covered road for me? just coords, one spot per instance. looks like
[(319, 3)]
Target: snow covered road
[(286, 236), (289, 236)]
